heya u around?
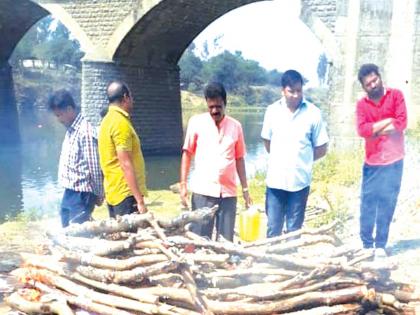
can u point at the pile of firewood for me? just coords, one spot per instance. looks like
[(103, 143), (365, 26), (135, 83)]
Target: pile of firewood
[(137, 264)]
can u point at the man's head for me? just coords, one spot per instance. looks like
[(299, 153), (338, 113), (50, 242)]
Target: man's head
[(371, 81), (215, 95), (119, 94), (292, 86), (61, 103)]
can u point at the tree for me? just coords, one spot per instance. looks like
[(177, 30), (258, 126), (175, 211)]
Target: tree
[(235, 72), (49, 40), (274, 77), (322, 69), (190, 69)]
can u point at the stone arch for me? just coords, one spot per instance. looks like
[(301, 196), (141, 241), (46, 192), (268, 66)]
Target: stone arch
[(61, 14), (321, 31), (17, 17), (159, 38), (127, 24)]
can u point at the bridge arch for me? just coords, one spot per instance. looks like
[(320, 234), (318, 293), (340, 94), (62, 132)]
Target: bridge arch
[(148, 54)]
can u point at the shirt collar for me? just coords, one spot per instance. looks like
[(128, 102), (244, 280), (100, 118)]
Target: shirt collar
[(76, 122), (114, 107), (302, 105)]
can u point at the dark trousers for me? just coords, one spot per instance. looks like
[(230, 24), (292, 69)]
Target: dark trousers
[(379, 195), (225, 216), (76, 206), (281, 205), (127, 206)]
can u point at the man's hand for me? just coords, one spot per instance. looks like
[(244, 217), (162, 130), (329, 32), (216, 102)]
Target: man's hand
[(247, 199), (141, 207), (387, 130), (183, 192)]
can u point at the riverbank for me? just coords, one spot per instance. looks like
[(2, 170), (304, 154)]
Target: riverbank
[(333, 178), (335, 189)]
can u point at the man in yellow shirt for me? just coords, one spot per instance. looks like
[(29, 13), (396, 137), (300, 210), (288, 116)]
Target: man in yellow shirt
[(120, 155)]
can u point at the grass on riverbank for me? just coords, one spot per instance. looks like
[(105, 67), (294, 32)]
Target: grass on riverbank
[(335, 179)]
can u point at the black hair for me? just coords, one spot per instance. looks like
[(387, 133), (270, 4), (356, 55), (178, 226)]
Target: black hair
[(214, 90), (116, 91), (60, 100), (367, 69), (290, 78)]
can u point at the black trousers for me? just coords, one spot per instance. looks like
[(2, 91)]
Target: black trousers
[(127, 206), (224, 218)]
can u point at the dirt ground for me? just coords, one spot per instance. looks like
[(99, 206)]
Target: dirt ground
[(403, 247)]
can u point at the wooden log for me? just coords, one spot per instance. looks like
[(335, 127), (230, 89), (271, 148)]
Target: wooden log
[(48, 262), (342, 309), (119, 290), (177, 294), (262, 290), (217, 259), (230, 248), (299, 243), (328, 284), (55, 306), (186, 273), (73, 288), (224, 282), (307, 300), (167, 280), (99, 247), (125, 235), (146, 251), (120, 224), (187, 217), (254, 271), (109, 263), (126, 276), (406, 297), (284, 237), (82, 302), (389, 300)]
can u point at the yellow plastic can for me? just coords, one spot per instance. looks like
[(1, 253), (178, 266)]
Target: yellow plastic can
[(249, 225)]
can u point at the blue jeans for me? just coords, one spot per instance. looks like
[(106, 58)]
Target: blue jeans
[(379, 195), (225, 216), (76, 206), (281, 205)]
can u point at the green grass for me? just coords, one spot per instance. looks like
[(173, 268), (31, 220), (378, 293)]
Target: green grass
[(336, 178)]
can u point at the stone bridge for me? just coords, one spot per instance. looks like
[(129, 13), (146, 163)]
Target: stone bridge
[(141, 41)]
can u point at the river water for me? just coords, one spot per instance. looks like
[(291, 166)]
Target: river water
[(28, 171)]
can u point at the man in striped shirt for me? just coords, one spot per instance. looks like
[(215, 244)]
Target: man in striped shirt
[(79, 171)]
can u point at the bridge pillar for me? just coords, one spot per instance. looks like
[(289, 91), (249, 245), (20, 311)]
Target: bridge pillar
[(9, 125), (157, 115)]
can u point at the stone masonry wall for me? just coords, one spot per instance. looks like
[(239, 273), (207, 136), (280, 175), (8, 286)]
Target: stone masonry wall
[(99, 19), (157, 105), (326, 10)]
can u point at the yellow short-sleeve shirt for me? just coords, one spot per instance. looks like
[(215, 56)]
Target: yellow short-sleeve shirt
[(116, 133)]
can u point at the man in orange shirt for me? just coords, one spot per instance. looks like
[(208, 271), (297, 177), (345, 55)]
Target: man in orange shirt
[(217, 143)]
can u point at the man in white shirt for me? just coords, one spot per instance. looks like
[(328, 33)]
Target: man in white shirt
[(294, 135)]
